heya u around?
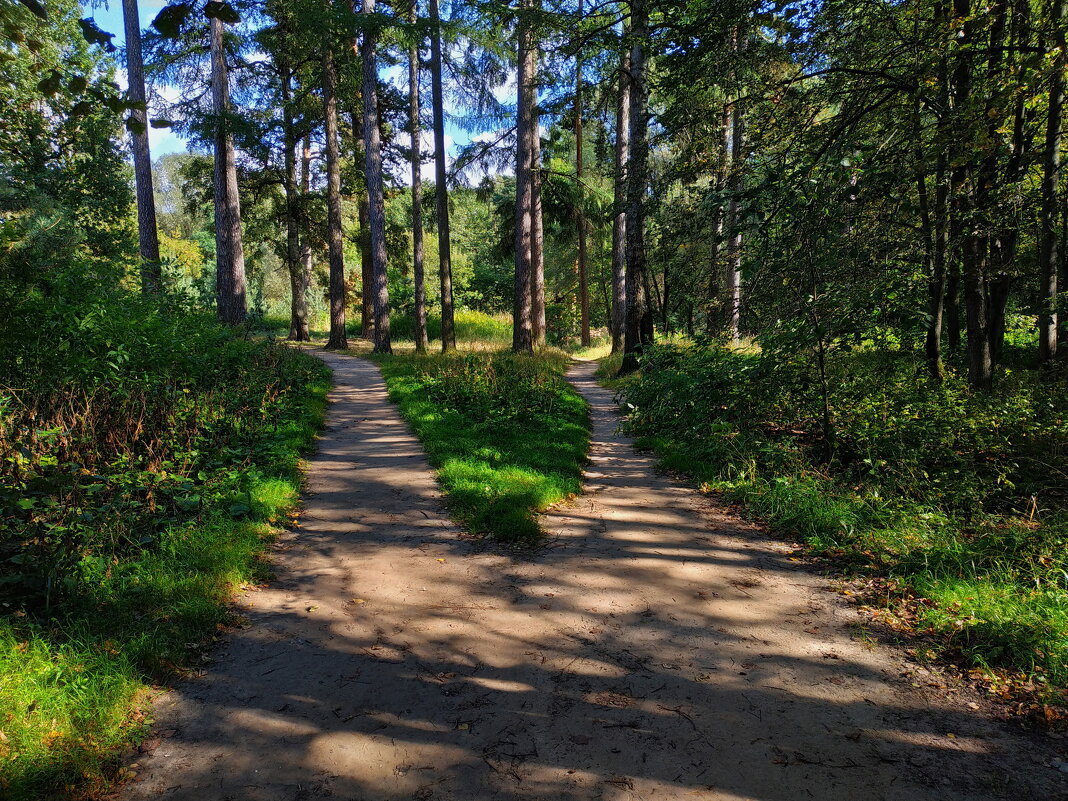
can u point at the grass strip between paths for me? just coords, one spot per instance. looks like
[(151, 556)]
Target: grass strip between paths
[(507, 434)]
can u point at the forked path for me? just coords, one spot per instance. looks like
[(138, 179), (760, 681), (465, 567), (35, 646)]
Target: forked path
[(654, 649)]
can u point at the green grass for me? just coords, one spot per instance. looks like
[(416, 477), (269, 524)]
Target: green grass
[(941, 497), (506, 433), (74, 686)]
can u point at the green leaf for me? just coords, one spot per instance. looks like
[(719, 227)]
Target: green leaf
[(170, 20), (222, 11), (78, 84)]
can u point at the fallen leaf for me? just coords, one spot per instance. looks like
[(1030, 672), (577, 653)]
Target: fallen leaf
[(442, 561), (313, 608), (358, 601)]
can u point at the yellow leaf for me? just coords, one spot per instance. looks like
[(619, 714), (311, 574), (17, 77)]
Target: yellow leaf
[(442, 561)]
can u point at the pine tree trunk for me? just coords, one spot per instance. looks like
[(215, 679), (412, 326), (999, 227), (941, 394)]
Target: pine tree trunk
[(537, 241), (521, 328), (638, 319), (367, 303), (441, 192), (619, 211), (298, 318), (1051, 169), (414, 132), (734, 244), (714, 315), (229, 252), (338, 336), (305, 188), (372, 138), (147, 235), (580, 213)]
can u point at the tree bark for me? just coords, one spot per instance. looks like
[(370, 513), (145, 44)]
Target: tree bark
[(298, 318), (521, 327), (338, 335), (414, 132), (637, 334), (1051, 170), (734, 244), (537, 240), (714, 317), (367, 303), (619, 211), (441, 192), (372, 138), (229, 252), (580, 212), (148, 237), (305, 188)]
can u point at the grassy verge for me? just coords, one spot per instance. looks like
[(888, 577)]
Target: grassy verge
[(507, 434), (945, 503), (75, 670)]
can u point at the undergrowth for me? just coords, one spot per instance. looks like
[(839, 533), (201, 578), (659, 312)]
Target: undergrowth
[(146, 457), (958, 500), (507, 434)]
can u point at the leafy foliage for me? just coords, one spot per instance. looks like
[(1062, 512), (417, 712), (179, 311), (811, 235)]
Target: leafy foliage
[(144, 454)]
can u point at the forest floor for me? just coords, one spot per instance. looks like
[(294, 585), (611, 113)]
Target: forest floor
[(655, 646)]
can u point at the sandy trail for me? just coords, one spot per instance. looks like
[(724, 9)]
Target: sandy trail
[(654, 649)]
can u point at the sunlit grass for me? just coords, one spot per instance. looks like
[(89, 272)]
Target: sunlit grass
[(506, 433), (74, 688)]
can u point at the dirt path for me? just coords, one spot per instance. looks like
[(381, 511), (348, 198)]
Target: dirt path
[(655, 649)]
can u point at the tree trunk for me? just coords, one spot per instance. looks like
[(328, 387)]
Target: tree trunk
[(1051, 169), (367, 303), (305, 188), (147, 235), (537, 240), (734, 244), (448, 332), (930, 231), (298, 318), (521, 328), (714, 317), (580, 212), (973, 246), (372, 138), (338, 336), (619, 211), (229, 252), (414, 132), (637, 334)]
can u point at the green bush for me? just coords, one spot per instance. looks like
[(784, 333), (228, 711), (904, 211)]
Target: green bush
[(145, 452)]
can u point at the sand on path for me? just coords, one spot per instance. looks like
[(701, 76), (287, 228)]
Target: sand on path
[(654, 648)]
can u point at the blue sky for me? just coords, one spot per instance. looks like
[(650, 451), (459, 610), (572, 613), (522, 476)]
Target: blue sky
[(108, 16)]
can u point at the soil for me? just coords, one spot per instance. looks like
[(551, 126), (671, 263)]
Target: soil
[(655, 647)]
